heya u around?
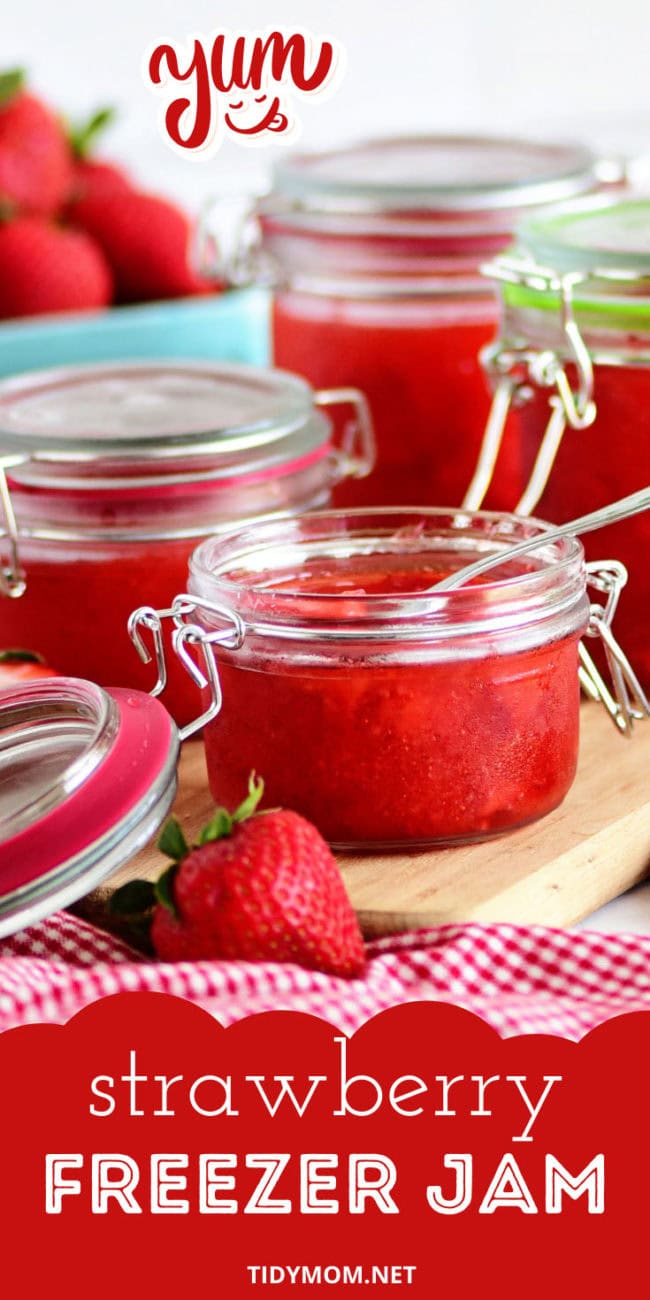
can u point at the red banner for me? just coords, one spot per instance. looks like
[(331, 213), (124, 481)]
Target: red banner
[(149, 1151)]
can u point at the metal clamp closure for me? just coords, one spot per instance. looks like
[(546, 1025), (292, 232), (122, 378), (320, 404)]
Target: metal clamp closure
[(228, 244), (516, 370), (186, 634), (357, 451), (12, 577), (627, 703)]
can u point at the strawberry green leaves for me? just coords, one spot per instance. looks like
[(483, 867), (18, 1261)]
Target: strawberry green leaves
[(133, 899), (164, 889), (11, 83), (223, 822), (139, 897), (172, 842), (83, 137)]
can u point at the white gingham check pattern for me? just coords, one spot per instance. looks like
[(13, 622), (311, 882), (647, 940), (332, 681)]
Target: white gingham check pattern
[(520, 979)]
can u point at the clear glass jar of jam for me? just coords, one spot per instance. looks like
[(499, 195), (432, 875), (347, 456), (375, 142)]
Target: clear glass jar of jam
[(374, 251), (574, 354), (115, 472), (389, 715)]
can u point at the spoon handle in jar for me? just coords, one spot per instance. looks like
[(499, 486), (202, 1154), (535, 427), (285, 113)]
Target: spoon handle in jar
[(631, 505)]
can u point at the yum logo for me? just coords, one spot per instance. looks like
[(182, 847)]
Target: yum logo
[(239, 83)]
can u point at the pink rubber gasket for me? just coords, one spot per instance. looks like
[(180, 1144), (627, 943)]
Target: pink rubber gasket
[(197, 487), (141, 750)]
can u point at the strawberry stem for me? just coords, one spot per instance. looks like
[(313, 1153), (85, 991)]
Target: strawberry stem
[(84, 136), (11, 84), (249, 805), (222, 823)]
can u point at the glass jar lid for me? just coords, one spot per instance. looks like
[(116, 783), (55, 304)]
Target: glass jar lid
[(441, 173), (86, 778), (598, 235), (592, 255), (159, 410)]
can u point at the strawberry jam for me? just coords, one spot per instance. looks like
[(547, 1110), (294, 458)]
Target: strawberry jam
[(586, 476), (124, 468), (377, 249), (605, 360), (419, 366), (388, 715), (76, 608)]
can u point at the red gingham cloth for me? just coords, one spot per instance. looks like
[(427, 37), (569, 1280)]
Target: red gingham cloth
[(520, 979)]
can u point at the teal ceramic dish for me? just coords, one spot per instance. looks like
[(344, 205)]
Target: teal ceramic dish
[(228, 327)]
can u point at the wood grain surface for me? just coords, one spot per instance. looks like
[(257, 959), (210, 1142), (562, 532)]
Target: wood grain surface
[(555, 872)]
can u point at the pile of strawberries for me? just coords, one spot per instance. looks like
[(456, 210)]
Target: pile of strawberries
[(75, 233)]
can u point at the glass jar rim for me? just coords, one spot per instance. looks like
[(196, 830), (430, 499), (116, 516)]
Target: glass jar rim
[(556, 587), (437, 173), (46, 721), (90, 775)]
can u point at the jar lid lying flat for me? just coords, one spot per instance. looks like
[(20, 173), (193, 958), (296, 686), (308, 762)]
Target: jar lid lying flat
[(86, 778), (158, 409), (442, 173)]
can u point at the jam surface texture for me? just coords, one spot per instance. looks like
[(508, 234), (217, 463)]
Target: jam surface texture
[(394, 748)]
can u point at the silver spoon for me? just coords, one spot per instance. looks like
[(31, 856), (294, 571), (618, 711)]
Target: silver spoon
[(632, 505)]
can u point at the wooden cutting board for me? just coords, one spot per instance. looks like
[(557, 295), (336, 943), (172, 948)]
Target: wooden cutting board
[(554, 872)]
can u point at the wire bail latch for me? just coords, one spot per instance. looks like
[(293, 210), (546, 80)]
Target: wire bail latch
[(12, 577), (188, 633), (516, 370), (627, 703)]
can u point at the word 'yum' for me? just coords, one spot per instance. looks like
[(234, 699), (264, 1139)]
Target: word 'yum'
[(238, 82)]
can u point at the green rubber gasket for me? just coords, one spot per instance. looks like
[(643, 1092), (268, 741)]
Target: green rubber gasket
[(551, 240), (635, 311)]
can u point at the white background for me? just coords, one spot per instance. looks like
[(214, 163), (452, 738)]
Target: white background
[(572, 67)]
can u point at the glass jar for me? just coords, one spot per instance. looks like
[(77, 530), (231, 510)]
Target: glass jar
[(374, 251), (574, 354), (391, 716), (114, 472)]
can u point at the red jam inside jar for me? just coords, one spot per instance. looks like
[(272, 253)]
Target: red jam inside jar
[(377, 250), (604, 249), (391, 716), (124, 468)]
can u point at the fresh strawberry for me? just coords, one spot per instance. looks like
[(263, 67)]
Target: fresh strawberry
[(257, 887), (22, 666), (46, 268), (94, 178), (35, 157), (146, 240)]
